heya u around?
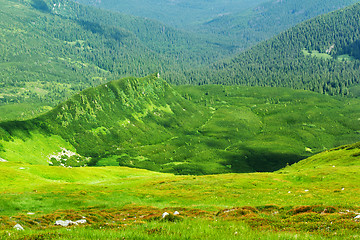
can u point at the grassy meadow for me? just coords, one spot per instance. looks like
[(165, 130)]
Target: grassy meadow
[(317, 198), (218, 156)]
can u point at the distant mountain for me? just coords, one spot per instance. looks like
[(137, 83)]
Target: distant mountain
[(240, 23), (178, 13), (146, 123), (269, 19), (52, 49), (320, 55)]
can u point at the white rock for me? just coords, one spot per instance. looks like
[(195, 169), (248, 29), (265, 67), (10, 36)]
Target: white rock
[(19, 227), (81, 221), (64, 223), (357, 217), (165, 214), (30, 213), (2, 160), (306, 190), (69, 222), (21, 168), (176, 213)]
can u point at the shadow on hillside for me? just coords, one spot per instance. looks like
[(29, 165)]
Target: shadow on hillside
[(261, 160), (108, 32), (40, 5), (352, 50)]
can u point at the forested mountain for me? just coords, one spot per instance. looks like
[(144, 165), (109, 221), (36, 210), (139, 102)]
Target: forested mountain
[(268, 19), (52, 49), (146, 123), (320, 55), (239, 23), (178, 13)]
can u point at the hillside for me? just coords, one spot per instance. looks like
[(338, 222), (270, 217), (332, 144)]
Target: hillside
[(180, 14), (52, 49), (239, 23), (268, 19), (146, 123), (313, 199), (320, 55)]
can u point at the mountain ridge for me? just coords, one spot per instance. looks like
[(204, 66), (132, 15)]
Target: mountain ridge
[(147, 123), (297, 58)]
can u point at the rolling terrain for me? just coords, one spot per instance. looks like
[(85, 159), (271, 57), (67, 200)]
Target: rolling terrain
[(320, 55), (51, 50), (316, 198), (180, 14), (246, 28), (84, 156), (146, 123), (239, 23)]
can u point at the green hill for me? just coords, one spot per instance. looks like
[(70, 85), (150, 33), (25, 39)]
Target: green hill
[(320, 55), (52, 49), (146, 123)]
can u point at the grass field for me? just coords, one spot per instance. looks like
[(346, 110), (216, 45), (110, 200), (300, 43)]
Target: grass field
[(194, 132), (316, 198)]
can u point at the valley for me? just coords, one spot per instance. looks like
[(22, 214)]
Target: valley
[(184, 120)]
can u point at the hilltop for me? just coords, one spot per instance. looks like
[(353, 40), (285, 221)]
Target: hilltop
[(147, 123), (320, 55)]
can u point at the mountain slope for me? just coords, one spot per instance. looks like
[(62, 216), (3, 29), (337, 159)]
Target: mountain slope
[(146, 123), (52, 49), (180, 13), (269, 19), (119, 114), (318, 55)]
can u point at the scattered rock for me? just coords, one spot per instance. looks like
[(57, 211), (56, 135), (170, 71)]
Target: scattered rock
[(165, 214), (19, 227), (176, 213), (81, 221), (69, 222)]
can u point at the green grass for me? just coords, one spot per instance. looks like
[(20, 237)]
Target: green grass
[(21, 111), (314, 199), (317, 54), (197, 130)]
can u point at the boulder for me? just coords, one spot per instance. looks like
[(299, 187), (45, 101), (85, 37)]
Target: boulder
[(19, 227), (165, 214), (69, 222)]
